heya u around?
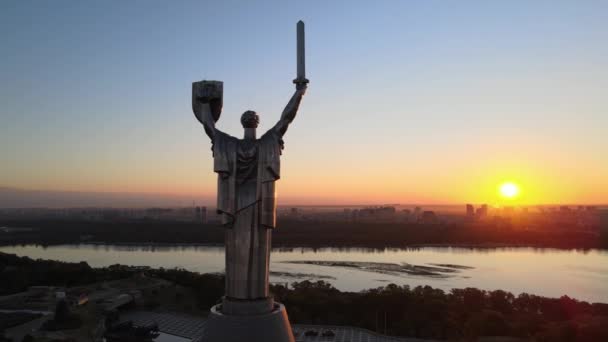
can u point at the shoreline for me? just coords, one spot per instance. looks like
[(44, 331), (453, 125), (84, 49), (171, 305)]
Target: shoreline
[(301, 277), (480, 246), (366, 274)]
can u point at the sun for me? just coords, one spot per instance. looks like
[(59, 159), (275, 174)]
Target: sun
[(509, 190)]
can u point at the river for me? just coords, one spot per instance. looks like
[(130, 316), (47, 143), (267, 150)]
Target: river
[(548, 272)]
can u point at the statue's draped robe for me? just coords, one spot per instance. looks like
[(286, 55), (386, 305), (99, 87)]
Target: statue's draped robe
[(246, 201)]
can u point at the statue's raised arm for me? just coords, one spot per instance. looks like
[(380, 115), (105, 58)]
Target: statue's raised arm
[(290, 111), (207, 102)]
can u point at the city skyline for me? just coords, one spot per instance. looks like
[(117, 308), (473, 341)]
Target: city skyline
[(410, 103), (27, 198)]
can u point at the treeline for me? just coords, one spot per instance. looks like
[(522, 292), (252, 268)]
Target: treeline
[(381, 235), (426, 312), (19, 273), (207, 287), (422, 312), (305, 234)]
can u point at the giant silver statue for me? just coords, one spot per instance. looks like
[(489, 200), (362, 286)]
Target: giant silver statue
[(246, 199), (247, 170)]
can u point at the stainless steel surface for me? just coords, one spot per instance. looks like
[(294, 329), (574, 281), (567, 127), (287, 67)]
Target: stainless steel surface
[(247, 170)]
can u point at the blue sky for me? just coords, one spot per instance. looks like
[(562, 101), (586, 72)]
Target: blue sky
[(408, 100)]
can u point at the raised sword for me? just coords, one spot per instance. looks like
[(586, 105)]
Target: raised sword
[(301, 55)]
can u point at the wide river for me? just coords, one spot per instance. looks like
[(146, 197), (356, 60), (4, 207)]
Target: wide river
[(548, 272)]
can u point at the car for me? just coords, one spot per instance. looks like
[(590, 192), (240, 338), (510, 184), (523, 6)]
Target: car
[(311, 333), (328, 333)]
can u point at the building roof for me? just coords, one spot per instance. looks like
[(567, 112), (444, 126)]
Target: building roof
[(193, 327)]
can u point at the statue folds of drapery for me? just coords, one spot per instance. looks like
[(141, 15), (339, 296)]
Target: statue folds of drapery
[(246, 199)]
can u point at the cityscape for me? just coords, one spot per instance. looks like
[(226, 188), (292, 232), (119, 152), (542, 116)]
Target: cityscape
[(312, 171), (145, 303), (575, 217)]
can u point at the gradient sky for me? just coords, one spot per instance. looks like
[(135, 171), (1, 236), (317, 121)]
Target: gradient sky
[(409, 102)]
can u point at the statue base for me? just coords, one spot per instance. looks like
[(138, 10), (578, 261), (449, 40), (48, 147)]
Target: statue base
[(246, 307), (270, 326)]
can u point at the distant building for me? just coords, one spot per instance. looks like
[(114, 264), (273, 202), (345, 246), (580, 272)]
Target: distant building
[(406, 215), (377, 214), (508, 210), (482, 211), (417, 212), (428, 217), (348, 216), (355, 215), (200, 215), (386, 213), (204, 215), (294, 213), (470, 210), (157, 213)]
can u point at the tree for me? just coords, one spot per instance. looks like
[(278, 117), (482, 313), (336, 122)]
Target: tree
[(62, 311), (28, 338)]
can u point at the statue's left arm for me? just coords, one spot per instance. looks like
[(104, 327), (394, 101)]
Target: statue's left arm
[(289, 113)]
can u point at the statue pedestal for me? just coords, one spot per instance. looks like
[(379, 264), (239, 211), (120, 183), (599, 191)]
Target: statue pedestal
[(246, 307), (272, 326)]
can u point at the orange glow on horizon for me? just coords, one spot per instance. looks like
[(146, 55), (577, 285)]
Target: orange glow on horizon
[(435, 178)]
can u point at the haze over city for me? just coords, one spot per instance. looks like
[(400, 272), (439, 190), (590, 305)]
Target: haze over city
[(410, 103)]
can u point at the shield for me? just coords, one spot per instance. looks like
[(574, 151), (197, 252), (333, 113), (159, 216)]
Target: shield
[(211, 92)]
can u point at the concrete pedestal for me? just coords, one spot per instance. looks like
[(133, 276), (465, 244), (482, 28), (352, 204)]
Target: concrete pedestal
[(246, 307), (271, 326)]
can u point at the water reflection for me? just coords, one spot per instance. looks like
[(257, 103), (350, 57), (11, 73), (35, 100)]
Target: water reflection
[(551, 272)]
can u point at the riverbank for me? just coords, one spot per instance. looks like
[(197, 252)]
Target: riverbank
[(421, 311), (547, 272), (179, 245)]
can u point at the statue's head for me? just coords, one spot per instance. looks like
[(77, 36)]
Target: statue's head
[(250, 119)]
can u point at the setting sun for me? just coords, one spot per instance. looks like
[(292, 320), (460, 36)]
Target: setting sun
[(509, 190)]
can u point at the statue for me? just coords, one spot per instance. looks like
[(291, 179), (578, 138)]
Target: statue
[(246, 200), (247, 170)]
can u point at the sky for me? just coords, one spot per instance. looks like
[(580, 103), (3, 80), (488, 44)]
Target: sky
[(409, 101)]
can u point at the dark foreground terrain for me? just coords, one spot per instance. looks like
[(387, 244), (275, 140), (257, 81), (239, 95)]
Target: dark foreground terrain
[(305, 234), (460, 314)]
